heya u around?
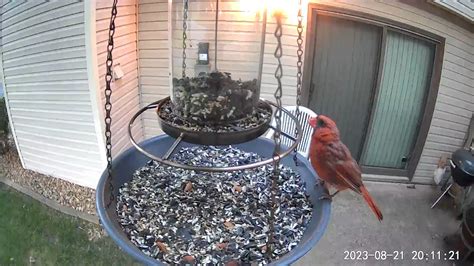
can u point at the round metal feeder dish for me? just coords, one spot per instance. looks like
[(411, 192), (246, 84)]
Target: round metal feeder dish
[(214, 138), (125, 165), (164, 159)]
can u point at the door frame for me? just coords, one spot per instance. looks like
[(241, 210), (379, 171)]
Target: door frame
[(432, 93)]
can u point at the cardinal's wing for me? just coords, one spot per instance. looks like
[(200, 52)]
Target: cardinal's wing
[(345, 166)]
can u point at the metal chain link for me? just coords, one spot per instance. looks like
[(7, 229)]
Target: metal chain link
[(278, 76), (185, 36), (277, 135), (108, 103), (299, 75)]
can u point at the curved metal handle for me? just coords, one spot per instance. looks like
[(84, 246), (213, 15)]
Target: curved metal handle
[(212, 169)]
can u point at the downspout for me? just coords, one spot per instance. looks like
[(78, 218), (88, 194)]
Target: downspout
[(139, 73), (170, 47), (93, 77)]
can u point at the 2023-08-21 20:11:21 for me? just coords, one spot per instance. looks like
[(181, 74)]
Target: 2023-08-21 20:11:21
[(414, 255)]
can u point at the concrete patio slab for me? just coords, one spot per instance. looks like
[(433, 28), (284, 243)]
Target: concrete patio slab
[(409, 225)]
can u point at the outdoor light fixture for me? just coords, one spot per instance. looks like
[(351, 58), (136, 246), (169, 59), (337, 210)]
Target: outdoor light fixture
[(289, 8)]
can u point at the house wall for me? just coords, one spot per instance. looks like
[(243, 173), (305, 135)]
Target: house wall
[(154, 57), (125, 94), (455, 101), (239, 38), (49, 100), (460, 7)]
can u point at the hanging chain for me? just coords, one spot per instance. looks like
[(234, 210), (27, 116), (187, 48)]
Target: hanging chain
[(108, 103), (277, 135), (278, 76), (299, 75), (185, 36)]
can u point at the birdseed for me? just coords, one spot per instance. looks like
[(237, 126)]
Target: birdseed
[(184, 217), (214, 97), (260, 116)]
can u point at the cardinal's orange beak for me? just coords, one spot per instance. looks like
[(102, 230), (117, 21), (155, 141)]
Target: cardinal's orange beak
[(312, 121)]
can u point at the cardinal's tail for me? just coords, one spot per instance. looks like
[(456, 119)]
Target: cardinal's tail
[(371, 203)]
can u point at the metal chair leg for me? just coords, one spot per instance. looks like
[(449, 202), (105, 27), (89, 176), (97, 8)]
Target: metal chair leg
[(442, 195)]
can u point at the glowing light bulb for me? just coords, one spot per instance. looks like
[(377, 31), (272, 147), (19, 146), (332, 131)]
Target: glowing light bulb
[(288, 8), (251, 6)]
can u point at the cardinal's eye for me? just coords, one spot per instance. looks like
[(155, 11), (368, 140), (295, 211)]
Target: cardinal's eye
[(321, 123)]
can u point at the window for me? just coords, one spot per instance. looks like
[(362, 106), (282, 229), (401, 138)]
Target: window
[(407, 65), (377, 80)]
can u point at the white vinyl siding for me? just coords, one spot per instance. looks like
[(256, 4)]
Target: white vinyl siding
[(125, 94), (154, 57), (239, 38), (464, 8), (46, 84), (454, 105)]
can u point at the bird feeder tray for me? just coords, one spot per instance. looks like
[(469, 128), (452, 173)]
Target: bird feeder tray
[(214, 97), (129, 161), (233, 132)]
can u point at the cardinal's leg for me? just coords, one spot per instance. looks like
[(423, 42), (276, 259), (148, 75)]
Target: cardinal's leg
[(328, 196), (325, 186), (320, 183)]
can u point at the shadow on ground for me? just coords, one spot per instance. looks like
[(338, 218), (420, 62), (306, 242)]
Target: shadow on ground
[(409, 225)]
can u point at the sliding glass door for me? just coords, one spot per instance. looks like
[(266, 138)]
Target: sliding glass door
[(400, 101), (344, 71), (373, 81)]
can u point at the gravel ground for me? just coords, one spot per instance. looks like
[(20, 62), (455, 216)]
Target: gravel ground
[(65, 193)]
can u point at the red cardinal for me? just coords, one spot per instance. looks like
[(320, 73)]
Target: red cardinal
[(333, 162)]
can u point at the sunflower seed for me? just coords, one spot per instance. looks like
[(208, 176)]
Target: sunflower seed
[(186, 217)]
